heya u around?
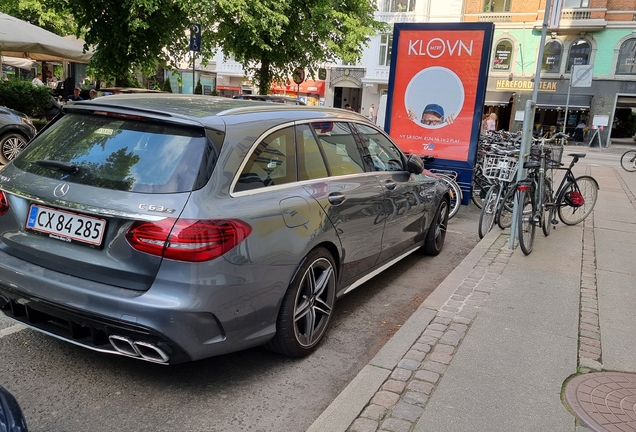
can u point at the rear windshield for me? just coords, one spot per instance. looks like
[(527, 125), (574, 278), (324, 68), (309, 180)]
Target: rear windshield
[(119, 154)]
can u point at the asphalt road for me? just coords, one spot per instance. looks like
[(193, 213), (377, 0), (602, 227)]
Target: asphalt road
[(62, 387)]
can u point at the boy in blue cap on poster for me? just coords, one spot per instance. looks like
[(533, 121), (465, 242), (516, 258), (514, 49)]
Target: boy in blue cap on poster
[(433, 115)]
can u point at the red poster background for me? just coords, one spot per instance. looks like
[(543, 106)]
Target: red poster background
[(446, 54)]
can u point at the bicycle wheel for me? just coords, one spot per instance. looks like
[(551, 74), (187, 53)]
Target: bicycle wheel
[(628, 160), (504, 215), (526, 225), (488, 211), (548, 208), (455, 196), (479, 193), (577, 200)]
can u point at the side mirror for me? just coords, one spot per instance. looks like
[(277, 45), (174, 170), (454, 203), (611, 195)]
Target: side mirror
[(11, 418), (414, 164)]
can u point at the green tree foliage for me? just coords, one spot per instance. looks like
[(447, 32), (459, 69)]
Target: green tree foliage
[(273, 37), (23, 96), (167, 87), (126, 35), (198, 89), (42, 14)]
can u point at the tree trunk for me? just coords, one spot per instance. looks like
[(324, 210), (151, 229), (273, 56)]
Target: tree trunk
[(264, 77)]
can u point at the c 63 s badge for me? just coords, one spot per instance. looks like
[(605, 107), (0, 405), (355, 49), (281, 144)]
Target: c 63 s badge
[(156, 208)]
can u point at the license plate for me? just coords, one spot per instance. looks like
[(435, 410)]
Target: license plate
[(66, 226)]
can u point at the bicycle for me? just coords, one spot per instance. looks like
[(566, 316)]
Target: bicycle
[(573, 200), (450, 178), (500, 169), (628, 160)]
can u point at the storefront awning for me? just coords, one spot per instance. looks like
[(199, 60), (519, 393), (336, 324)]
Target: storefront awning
[(315, 87), (497, 98), (558, 101)]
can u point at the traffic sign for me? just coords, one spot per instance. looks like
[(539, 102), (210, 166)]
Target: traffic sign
[(582, 75), (299, 75)]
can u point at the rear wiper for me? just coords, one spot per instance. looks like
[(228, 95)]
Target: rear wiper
[(58, 165)]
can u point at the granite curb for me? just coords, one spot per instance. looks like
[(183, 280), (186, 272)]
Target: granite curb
[(398, 378)]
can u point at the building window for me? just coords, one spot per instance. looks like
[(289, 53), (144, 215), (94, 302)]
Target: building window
[(573, 4), (497, 5), (579, 54), (552, 57), (627, 58), (386, 43), (503, 55), (397, 6)]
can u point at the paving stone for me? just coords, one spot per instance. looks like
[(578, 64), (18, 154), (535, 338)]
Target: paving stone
[(459, 328), (445, 314), (428, 340), (407, 411), (421, 347), (440, 358), (433, 333), (589, 341), (462, 320), (396, 425), (457, 298), (421, 386), (434, 366), (452, 338), (436, 326), (589, 327), (409, 364), (589, 355), (416, 398), (450, 309), (394, 386), (442, 320), (429, 376), (374, 412), (401, 374), (590, 334), (415, 355), (364, 425), (588, 348), (443, 349), (590, 364), (385, 398), (593, 321), (469, 313)]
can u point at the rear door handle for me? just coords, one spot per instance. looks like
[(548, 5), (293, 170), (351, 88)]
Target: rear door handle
[(336, 198), (390, 184)]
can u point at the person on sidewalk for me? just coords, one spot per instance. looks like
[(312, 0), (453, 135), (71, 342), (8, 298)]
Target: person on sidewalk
[(491, 124), (578, 131), (37, 81), (372, 113), (76, 95)]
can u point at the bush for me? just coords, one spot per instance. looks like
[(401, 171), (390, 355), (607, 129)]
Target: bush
[(23, 96), (198, 89), (166, 85)]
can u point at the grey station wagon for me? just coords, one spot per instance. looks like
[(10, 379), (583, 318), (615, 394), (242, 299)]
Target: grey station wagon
[(172, 228)]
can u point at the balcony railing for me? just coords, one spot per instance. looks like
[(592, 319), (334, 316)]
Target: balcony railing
[(495, 17), (400, 17), (576, 14)]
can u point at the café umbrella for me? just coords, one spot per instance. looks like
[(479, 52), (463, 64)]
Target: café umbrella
[(20, 39)]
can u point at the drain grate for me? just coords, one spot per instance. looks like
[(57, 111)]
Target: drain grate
[(604, 401)]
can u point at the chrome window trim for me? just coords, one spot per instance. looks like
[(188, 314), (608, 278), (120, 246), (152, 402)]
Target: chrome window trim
[(235, 194)]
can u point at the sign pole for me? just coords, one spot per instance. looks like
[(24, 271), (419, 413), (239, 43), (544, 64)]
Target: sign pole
[(567, 106), (528, 121)]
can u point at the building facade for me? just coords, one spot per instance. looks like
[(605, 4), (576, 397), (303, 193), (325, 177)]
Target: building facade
[(597, 33)]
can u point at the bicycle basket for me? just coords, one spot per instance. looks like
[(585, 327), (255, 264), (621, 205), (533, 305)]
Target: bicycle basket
[(574, 199), (553, 154), (498, 167)]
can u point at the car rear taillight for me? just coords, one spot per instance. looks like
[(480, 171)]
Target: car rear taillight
[(187, 239), (4, 204)]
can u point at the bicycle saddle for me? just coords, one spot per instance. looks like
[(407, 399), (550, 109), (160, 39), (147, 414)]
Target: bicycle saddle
[(577, 155), (531, 164)]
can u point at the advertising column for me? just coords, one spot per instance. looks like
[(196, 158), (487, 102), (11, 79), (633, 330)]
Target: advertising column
[(436, 91)]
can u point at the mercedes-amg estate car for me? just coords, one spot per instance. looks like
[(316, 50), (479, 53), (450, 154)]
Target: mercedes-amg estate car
[(171, 228)]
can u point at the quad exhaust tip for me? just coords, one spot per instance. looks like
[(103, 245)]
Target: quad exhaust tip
[(144, 350)]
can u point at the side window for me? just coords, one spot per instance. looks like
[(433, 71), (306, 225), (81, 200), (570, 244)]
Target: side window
[(339, 147), (383, 154), (272, 163), (311, 165)]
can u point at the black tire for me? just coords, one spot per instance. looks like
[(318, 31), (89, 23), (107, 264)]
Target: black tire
[(504, 214), (307, 306), (436, 234), (478, 193), (570, 214), (628, 160), (11, 144), (488, 211), (455, 196), (548, 208), (526, 225)]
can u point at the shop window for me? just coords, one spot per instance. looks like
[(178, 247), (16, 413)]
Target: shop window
[(573, 4), (397, 6), (626, 64), (579, 54), (502, 56), (552, 56), (497, 5), (386, 42)]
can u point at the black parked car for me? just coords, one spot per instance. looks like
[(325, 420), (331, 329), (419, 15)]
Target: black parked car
[(16, 130), (170, 228)]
